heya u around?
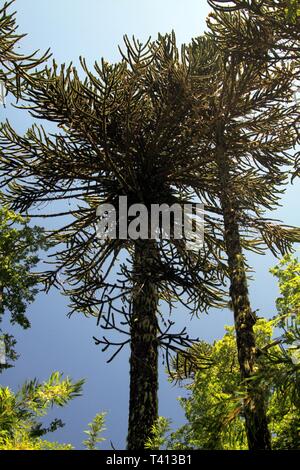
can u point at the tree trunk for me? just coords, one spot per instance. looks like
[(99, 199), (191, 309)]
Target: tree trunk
[(143, 403), (254, 409)]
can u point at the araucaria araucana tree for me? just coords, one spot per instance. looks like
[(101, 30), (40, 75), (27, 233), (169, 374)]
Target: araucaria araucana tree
[(270, 28), (122, 129), (268, 32), (15, 68), (251, 125)]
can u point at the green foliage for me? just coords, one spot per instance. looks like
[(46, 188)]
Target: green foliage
[(19, 246), (159, 431), (214, 408), (281, 365), (293, 11), (280, 368), (97, 426), (20, 413), (288, 274), (29, 444)]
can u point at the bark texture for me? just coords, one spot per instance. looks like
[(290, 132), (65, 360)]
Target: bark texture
[(254, 408), (143, 403)]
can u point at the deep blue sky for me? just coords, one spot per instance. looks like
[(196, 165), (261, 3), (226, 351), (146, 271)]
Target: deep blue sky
[(94, 28)]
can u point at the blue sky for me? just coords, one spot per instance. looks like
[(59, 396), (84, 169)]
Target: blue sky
[(94, 29)]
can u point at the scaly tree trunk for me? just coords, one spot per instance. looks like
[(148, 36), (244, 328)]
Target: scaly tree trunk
[(254, 409), (143, 404)]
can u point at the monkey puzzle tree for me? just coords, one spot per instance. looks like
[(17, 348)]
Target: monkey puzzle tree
[(122, 136), (270, 27), (251, 124), (15, 68), (151, 128), (269, 32)]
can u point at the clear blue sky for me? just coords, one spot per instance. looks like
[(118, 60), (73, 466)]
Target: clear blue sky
[(94, 28)]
